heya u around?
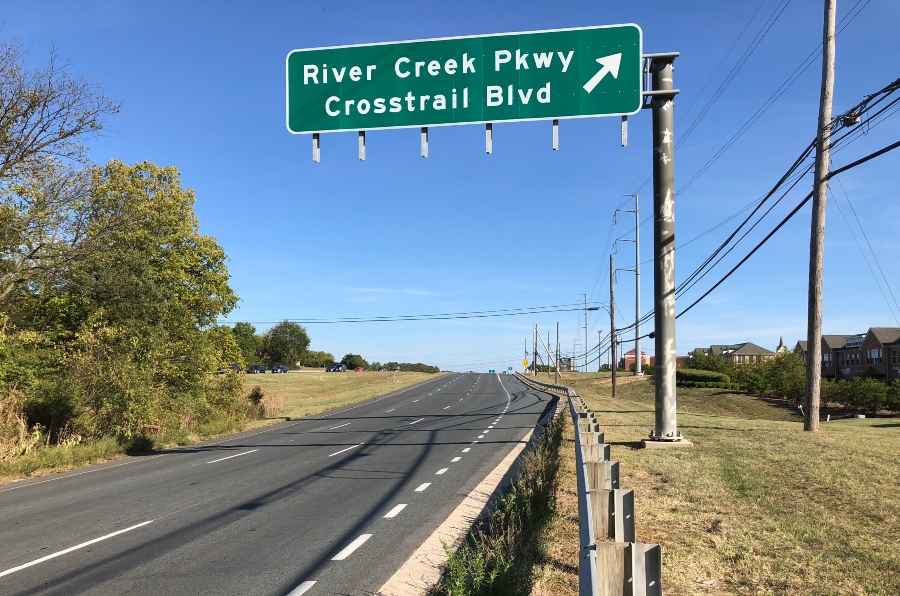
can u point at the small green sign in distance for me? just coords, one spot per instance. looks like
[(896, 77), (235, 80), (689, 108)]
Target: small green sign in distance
[(509, 368), (539, 75)]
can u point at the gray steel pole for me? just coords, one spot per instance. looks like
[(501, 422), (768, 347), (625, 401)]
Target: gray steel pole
[(599, 341), (637, 289), (585, 333), (534, 352), (612, 323), (817, 231), (663, 106), (556, 364)]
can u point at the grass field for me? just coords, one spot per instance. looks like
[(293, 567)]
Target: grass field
[(309, 393), (756, 507), (295, 394)]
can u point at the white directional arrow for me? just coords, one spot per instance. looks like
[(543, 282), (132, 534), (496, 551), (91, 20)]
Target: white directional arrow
[(610, 65)]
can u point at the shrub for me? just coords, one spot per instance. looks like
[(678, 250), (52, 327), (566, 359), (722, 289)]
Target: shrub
[(699, 375), (256, 395), (868, 394), (893, 397)]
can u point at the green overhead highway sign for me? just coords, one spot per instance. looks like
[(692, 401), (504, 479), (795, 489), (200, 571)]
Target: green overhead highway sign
[(540, 75)]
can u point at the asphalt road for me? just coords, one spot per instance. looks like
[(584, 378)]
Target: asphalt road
[(331, 504)]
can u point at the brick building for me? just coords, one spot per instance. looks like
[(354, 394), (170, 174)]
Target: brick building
[(848, 356)]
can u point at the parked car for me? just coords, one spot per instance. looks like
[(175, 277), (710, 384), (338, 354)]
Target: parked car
[(358, 369), (255, 369), (336, 368), (279, 369)]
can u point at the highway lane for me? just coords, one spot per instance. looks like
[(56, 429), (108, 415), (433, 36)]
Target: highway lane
[(269, 511)]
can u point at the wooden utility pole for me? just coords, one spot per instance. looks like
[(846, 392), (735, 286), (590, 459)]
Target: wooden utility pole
[(612, 323), (817, 228)]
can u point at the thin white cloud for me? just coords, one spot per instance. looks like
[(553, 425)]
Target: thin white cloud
[(390, 291)]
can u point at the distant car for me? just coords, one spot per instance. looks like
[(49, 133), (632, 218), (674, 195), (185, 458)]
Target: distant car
[(256, 369), (397, 369), (279, 369), (358, 369), (381, 369), (336, 368)]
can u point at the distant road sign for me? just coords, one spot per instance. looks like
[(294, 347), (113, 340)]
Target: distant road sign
[(524, 363), (564, 73), (509, 368), (490, 371)]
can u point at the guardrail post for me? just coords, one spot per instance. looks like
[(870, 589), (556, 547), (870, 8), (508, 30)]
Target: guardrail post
[(594, 452), (603, 474), (629, 569), (623, 511), (603, 510)]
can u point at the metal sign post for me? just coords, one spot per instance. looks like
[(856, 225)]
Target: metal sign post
[(663, 106)]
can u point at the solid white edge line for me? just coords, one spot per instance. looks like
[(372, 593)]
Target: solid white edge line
[(339, 426), (423, 486), (441, 471), (71, 548), (301, 589), (347, 449), (348, 550), (393, 512), (230, 456)]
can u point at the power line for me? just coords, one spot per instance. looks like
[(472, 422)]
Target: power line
[(434, 317), (869, 244), (865, 257)]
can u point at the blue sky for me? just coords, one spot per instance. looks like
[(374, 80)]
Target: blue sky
[(202, 86)]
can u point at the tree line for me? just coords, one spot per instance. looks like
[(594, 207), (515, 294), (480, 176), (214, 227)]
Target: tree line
[(785, 376), (109, 293)]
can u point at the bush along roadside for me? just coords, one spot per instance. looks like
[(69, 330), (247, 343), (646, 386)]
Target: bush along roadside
[(499, 555)]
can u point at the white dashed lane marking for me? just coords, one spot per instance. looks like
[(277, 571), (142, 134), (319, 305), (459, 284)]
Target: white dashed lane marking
[(347, 449), (441, 471), (393, 512), (301, 589), (423, 486), (230, 456), (467, 449), (348, 550), (455, 459)]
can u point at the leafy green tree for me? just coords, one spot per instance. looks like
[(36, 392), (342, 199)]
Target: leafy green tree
[(47, 115), (893, 397), (867, 394), (352, 361), (285, 343), (786, 375), (316, 358), (248, 341)]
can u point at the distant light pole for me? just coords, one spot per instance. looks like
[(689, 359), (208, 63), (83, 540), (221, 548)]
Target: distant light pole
[(586, 309)]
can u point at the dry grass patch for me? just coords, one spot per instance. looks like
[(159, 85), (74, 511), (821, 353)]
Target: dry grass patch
[(758, 506)]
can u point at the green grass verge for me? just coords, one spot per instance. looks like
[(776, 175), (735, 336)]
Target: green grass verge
[(757, 506), (501, 553), (298, 395)]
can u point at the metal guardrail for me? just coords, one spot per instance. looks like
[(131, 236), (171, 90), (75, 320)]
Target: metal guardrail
[(623, 567)]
